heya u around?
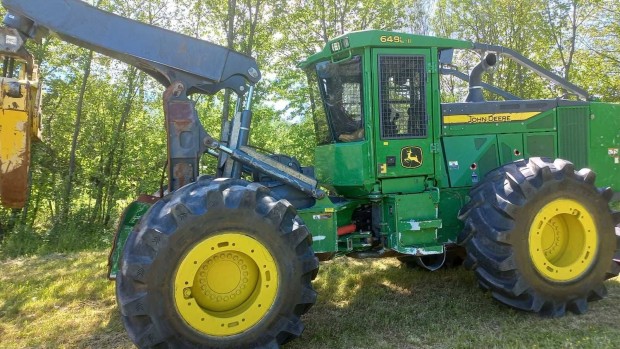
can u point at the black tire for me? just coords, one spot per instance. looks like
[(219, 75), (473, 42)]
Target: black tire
[(175, 226), (499, 223)]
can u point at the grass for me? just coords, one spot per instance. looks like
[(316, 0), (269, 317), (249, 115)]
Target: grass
[(64, 301)]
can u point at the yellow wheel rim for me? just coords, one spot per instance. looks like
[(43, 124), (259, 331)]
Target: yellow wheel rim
[(225, 284), (563, 241)]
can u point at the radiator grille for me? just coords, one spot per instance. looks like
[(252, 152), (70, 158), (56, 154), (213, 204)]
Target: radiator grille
[(573, 135)]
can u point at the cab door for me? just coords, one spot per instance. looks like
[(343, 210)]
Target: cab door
[(402, 112)]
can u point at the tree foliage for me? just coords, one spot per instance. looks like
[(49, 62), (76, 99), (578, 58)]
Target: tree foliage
[(103, 127)]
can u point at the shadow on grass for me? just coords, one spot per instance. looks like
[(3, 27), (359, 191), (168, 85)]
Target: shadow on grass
[(65, 301), (59, 301), (381, 304)]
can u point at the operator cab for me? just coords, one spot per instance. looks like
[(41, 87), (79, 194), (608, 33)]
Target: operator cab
[(374, 124)]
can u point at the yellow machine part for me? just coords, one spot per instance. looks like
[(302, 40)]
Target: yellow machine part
[(19, 124)]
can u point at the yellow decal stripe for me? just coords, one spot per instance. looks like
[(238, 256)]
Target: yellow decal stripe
[(488, 118)]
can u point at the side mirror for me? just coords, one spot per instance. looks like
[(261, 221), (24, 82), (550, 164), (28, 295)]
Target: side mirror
[(445, 56)]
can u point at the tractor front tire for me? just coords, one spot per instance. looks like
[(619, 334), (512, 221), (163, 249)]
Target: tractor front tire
[(540, 236), (217, 264)]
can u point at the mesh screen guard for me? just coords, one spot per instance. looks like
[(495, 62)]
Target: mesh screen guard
[(403, 96)]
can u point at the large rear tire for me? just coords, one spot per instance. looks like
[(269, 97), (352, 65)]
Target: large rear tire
[(540, 236), (217, 264)]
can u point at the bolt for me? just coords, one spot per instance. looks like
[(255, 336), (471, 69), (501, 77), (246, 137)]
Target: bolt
[(253, 73), (187, 293)]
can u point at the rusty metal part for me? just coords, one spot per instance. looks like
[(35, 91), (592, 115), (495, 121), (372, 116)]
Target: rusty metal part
[(14, 185), (185, 136)]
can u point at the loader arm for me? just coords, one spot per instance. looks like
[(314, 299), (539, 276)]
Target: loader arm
[(167, 56), (184, 65)]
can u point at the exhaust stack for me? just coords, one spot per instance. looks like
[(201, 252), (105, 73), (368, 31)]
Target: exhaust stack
[(475, 78)]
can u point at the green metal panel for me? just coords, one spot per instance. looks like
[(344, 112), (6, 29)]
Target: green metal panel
[(441, 170), (470, 157), (407, 156), (605, 144), (540, 144), (573, 133), (346, 166), (544, 121), (403, 185), (412, 222), (323, 220), (131, 216), (451, 202), (510, 147)]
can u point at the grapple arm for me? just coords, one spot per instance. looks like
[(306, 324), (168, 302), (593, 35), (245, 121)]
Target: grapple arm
[(167, 56)]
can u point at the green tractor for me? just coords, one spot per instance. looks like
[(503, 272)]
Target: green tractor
[(226, 260)]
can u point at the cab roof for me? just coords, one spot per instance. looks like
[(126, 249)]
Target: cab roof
[(388, 39)]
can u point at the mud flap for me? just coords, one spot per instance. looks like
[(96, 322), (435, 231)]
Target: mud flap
[(131, 216)]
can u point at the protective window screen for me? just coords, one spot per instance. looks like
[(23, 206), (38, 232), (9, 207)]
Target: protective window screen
[(403, 96), (340, 85)]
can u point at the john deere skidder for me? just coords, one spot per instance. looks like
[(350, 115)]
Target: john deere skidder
[(222, 261)]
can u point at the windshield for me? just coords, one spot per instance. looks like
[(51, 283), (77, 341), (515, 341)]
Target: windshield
[(340, 86)]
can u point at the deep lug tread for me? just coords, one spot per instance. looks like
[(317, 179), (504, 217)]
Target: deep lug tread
[(606, 193), (150, 338), (308, 296), (525, 303), (137, 268), (565, 166), (278, 212), (578, 306), (309, 263), (294, 327), (180, 213), (298, 236), (470, 263), (147, 322), (553, 309), (499, 204), (598, 293), (587, 175), (155, 239), (136, 306)]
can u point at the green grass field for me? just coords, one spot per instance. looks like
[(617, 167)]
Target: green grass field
[(64, 301)]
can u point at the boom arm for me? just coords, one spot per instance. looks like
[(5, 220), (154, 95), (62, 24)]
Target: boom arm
[(167, 56), (184, 65)]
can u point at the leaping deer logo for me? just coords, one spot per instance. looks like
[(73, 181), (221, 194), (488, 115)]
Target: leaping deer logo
[(411, 157)]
